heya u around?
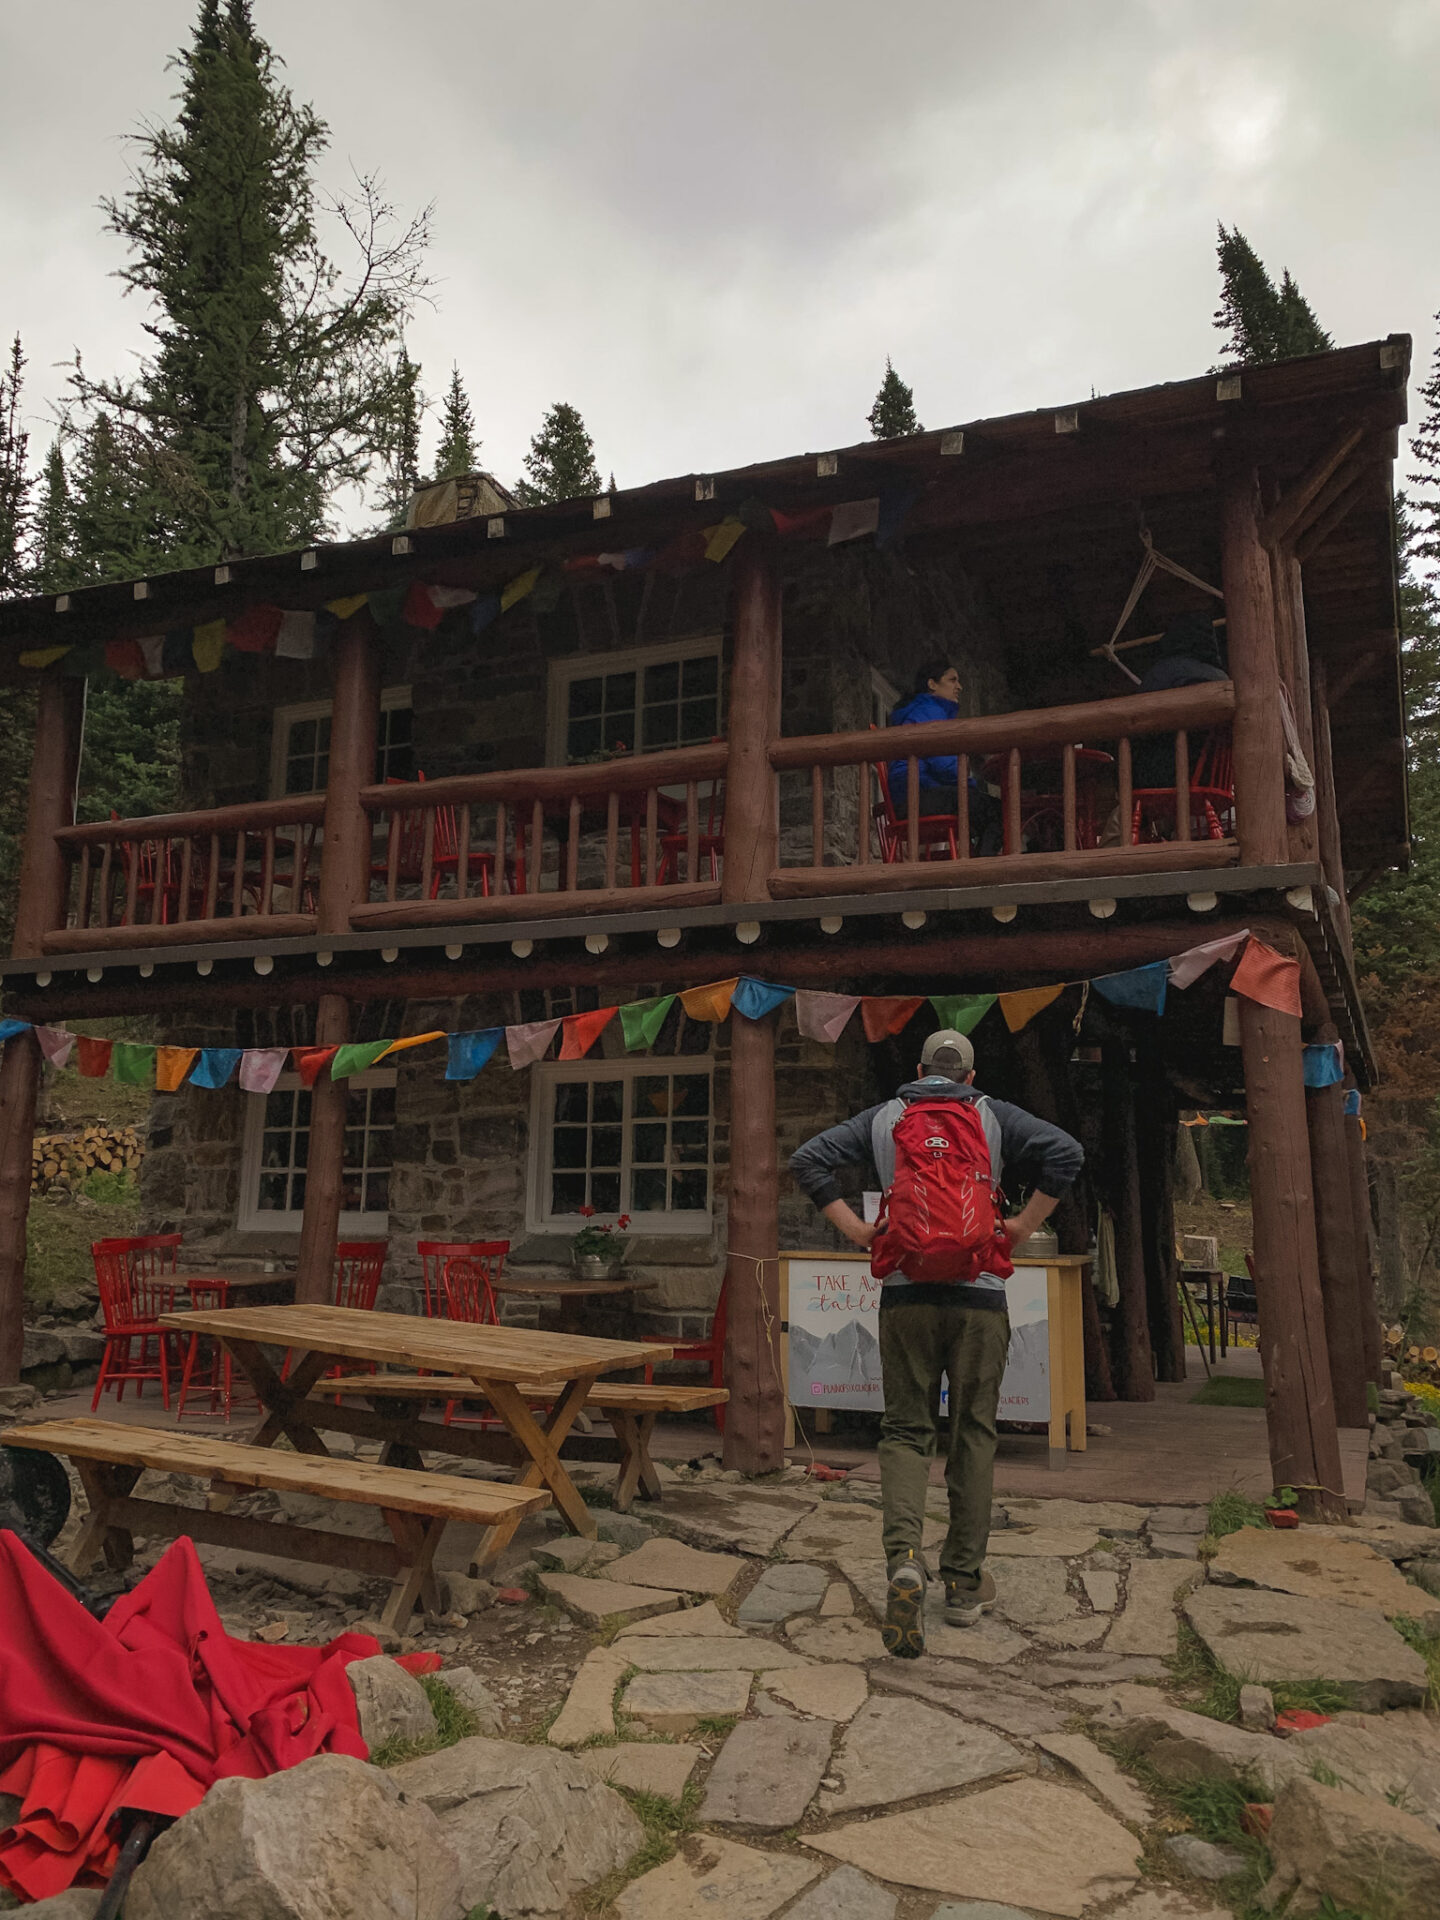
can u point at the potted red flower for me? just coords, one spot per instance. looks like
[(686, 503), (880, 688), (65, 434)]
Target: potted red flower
[(598, 1250)]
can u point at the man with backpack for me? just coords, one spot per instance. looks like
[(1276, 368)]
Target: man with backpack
[(942, 1248)]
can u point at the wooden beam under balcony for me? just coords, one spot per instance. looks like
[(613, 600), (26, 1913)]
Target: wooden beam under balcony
[(1091, 864)]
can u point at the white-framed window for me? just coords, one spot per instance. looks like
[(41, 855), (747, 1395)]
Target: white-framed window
[(277, 1146), (642, 700), (883, 698), (300, 744), (623, 1136)]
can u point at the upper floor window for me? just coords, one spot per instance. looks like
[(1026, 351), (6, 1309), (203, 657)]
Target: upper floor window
[(300, 756), (636, 702)]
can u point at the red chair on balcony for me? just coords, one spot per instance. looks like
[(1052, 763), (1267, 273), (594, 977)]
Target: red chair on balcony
[(1212, 797), (674, 844), (133, 1294), (710, 1352), (938, 832)]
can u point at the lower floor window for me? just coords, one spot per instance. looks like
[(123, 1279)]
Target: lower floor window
[(623, 1138), (277, 1149)]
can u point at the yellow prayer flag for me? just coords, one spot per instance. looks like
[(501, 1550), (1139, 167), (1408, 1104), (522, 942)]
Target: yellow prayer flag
[(207, 645), (720, 539), (171, 1066), (522, 584), (1021, 1008), (346, 605), (410, 1040), (712, 1002), (44, 656)]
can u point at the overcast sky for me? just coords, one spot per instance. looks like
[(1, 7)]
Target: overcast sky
[(706, 226)]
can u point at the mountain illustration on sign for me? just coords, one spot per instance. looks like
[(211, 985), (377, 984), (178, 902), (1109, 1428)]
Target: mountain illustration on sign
[(849, 1357)]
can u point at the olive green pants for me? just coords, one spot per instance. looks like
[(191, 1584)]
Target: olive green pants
[(920, 1342)]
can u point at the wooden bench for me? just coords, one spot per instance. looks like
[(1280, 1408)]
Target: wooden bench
[(631, 1409), (417, 1506)]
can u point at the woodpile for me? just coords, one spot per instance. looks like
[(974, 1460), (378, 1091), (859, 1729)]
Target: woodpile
[(1414, 1361), (63, 1162)]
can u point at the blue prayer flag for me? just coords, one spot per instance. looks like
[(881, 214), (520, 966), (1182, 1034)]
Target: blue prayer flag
[(1140, 987), (755, 998), (9, 1028), (470, 1051), (1352, 1103), (216, 1067), (1322, 1065), (484, 612)]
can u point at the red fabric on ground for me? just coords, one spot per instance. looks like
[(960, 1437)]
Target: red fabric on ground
[(144, 1709)]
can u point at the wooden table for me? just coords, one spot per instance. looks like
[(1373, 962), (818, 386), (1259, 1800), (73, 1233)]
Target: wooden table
[(278, 1284), (568, 1291), (496, 1359)]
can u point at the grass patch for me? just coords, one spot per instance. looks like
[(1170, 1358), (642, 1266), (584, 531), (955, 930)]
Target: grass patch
[(59, 1231), (597, 1496), (1222, 1390), (666, 1823), (717, 1725), (1192, 1668), (1232, 1510), (454, 1721), (1427, 1645)]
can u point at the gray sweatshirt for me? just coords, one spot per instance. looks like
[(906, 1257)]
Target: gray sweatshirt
[(1048, 1157)]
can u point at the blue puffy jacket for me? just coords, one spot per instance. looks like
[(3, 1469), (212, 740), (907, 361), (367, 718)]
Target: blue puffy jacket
[(940, 770)]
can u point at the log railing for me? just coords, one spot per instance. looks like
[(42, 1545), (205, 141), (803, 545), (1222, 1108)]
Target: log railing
[(178, 878), (1073, 812)]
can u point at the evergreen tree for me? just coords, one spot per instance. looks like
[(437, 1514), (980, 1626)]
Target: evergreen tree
[(273, 381), (400, 451), (54, 535), (459, 450), (117, 529), (14, 473), (561, 461), (1425, 480), (1263, 322), (893, 413)]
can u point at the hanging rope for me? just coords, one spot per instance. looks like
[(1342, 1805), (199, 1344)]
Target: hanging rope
[(1152, 561)]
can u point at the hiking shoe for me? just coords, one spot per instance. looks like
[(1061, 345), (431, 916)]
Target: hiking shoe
[(965, 1601), (904, 1629)]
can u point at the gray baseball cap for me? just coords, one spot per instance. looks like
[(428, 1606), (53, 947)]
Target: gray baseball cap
[(948, 1053)]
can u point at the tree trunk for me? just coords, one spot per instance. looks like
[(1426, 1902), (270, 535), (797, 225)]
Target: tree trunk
[(1157, 1124), (1130, 1340)]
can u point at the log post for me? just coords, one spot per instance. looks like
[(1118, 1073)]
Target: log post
[(1364, 1241), (755, 1423), (1335, 1235), (1289, 602), (1299, 1407), (1259, 741), (1327, 814), (344, 884), (1132, 1354), (1157, 1129), (40, 908)]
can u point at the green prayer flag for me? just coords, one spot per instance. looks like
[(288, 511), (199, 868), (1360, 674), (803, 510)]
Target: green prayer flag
[(356, 1057), (961, 1012), (642, 1020), (133, 1063)]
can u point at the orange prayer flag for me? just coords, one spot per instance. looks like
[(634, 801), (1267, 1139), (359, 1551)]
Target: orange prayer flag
[(884, 1014), (412, 1040), (580, 1031), (712, 1002), (1021, 1008), (1271, 978), (311, 1062), (171, 1066)]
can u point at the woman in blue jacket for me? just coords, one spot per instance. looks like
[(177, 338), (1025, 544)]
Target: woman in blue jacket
[(936, 696)]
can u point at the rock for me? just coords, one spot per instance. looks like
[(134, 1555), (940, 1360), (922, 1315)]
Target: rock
[(677, 1702), (623, 1530), (826, 1693), (1330, 1569), (1063, 1543), (709, 1876), (566, 1554), (977, 1910), (594, 1601), (1179, 1520), (1282, 1636), (1147, 1623), (1032, 1593), (1182, 1746), (1083, 1631), (531, 1826), (704, 1623), (1175, 1546), (1386, 1476), (471, 1691), (1203, 1858), (843, 1639), (1029, 1840), (1426, 1575), (76, 1903), (645, 1766), (1098, 1770), (1391, 1756), (899, 1749), (1416, 1507), (747, 1522), (331, 1836), (40, 1349), (843, 1530), (80, 1347), (671, 1565), (1102, 1590), (1064, 1669), (466, 1595), (767, 1773), (662, 1654), (1165, 1903), (1113, 1518), (787, 1588), (391, 1702), (845, 1895), (1325, 1841), (1257, 1709), (18, 1399), (589, 1709), (838, 1601), (1011, 1708)]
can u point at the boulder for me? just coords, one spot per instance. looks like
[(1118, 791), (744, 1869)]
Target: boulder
[(331, 1836), (1203, 1858), (1328, 1569), (1325, 1841), (530, 1826), (1391, 1756), (471, 1691), (1181, 1746), (464, 1594), (1257, 1709), (41, 1349), (81, 1347), (76, 1903), (392, 1702), (1265, 1637)]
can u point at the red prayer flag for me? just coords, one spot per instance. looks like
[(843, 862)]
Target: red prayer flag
[(580, 1031), (93, 1056), (419, 609), (126, 658), (256, 629), (795, 526), (885, 1015), (1267, 976), (311, 1062)]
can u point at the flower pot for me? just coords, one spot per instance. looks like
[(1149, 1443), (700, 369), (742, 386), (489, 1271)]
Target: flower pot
[(1282, 1516), (595, 1266)]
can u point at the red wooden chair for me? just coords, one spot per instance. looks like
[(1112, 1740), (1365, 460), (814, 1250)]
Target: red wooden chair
[(709, 843), (359, 1265), (133, 1294), (467, 1283), (939, 832), (711, 1351), (437, 1255), (216, 1375), (1212, 797)]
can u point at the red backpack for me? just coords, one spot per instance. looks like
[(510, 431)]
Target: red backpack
[(941, 1219)]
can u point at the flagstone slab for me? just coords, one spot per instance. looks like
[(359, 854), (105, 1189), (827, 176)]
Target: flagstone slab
[(744, 1519), (1098, 1770), (704, 1622), (838, 1600), (1114, 1518), (710, 1876), (1396, 1539), (1266, 1637), (1085, 1630), (1102, 1590), (847, 1530), (1147, 1623), (1028, 1841), (845, 1639), (1032, 1593), (671, 1565), (1179, 1519), (1390, 1756), (644, 1766), (832, 1692), (1333, 1569), (1066, 1543), (766, 1773), (787, 1588), (989, 1642), (1165, 1903), (589, 1712), (899, 1749), (1020, 1711), (1101, 1668), (977, 1910), (845, 1895), (681, 1655), (593, 1601), (676, 1702)]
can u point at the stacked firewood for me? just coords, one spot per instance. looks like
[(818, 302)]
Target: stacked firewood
[(65, 1161), (1415, 1361)]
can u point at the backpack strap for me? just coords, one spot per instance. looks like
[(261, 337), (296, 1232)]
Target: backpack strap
[(993, 1138), (882, 1144)]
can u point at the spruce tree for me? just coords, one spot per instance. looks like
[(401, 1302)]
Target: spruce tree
[(400, 456), (273, 381), (54, 534), (1425, 479), (1263, 322), (459, 450), (15, 480), (1300, 331), (893, 413), (561, 461)]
